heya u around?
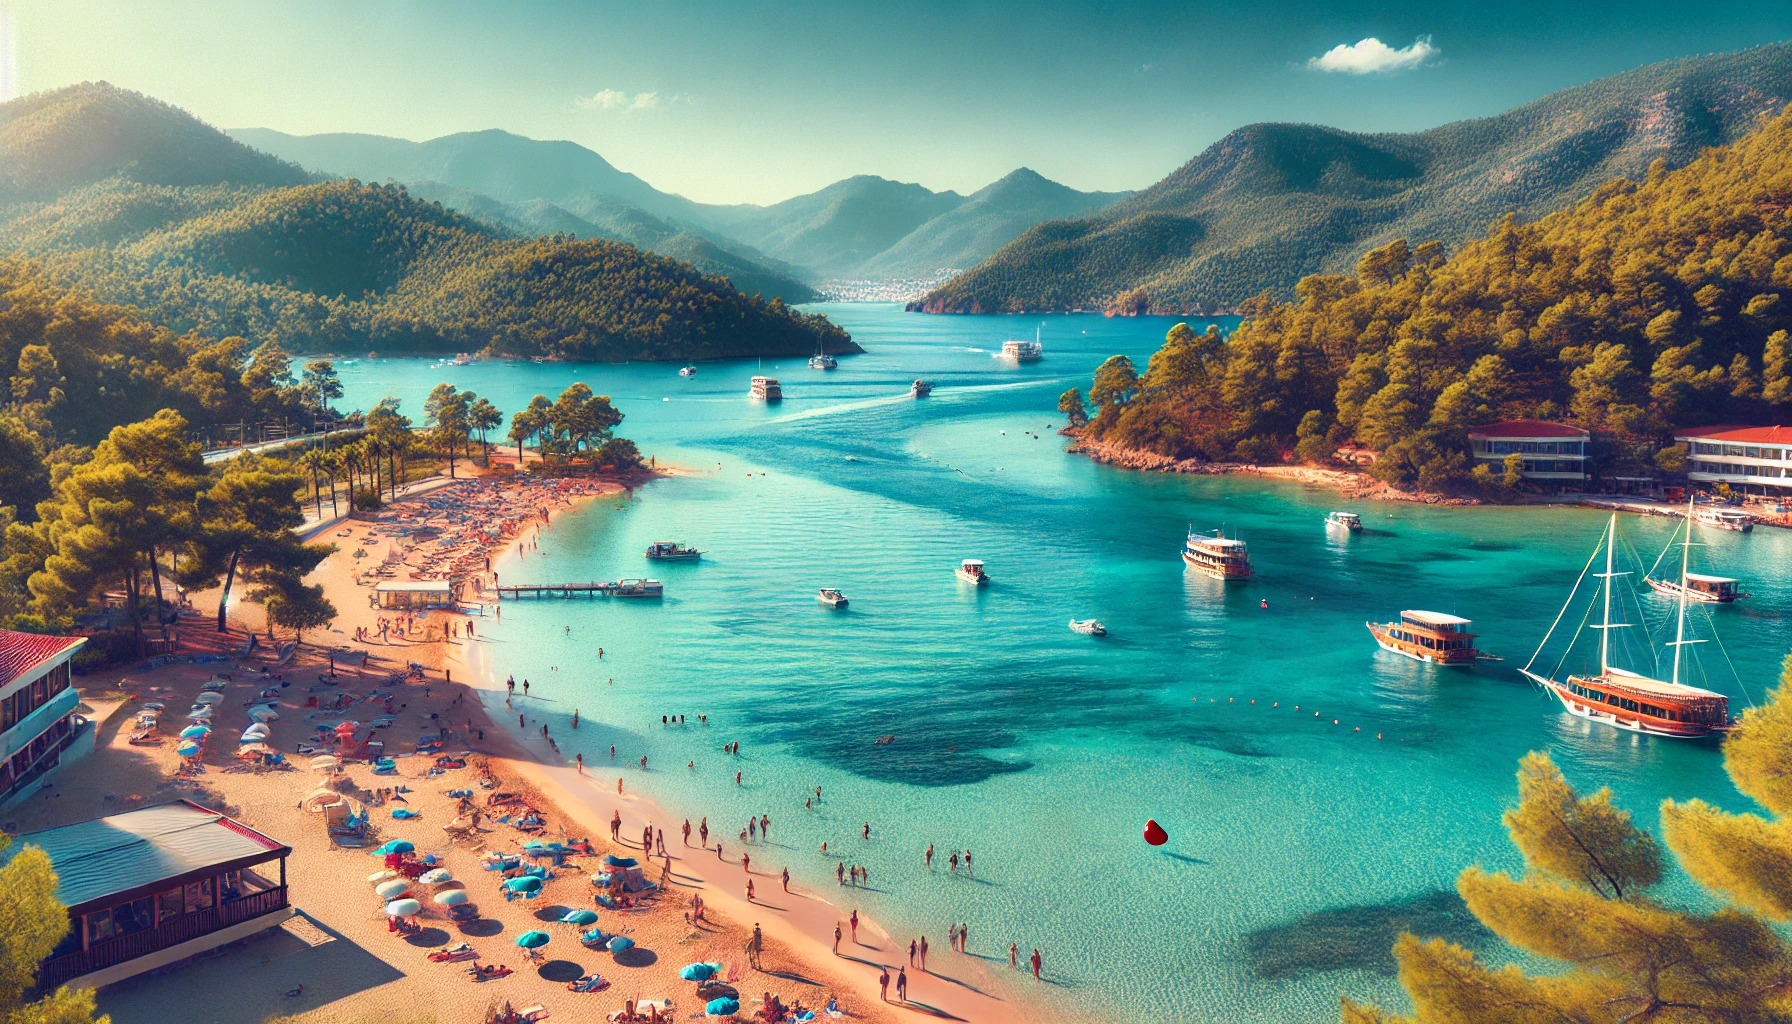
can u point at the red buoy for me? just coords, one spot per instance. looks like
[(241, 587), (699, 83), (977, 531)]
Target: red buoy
[(1155, 834)]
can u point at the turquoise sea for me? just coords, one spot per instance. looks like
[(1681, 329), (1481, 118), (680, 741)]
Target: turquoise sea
[(1298, 847)]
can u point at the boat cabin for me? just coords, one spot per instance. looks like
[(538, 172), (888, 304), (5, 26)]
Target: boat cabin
[(971, 571), (151, 887), (1715, 588), (1434, 637), (767, 388), (1637, 702)]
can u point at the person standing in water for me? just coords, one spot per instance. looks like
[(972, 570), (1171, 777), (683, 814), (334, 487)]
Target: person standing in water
[(1014, 955), (1036, 964), (930, 856)]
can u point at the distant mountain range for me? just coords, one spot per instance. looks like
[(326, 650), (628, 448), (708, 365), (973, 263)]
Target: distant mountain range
[(137, 202), (1271, 203), (862, 227)]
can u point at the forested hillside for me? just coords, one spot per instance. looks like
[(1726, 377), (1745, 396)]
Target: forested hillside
[(1272, 203), (337, 265), (1644, 307)]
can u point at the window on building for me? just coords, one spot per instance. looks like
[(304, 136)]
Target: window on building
[(199, 895), (170, 905), (99, 926), (135, 916)]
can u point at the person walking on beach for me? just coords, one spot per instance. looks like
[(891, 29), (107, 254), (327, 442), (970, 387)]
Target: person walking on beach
[(525, 687), (902, 984), (786, 874), (687, 831), (1036, 965), (755, 946), (746, 863), (616, 827), (964, 937), (853, 922), (883, 984), (718, 849), (1014, 955), (703, 833), (836, 938), (840, 872), (911, 952), (923, 952), (580, 758), (749, 890)]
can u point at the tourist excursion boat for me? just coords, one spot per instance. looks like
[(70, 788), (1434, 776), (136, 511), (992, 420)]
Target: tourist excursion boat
[(971, 571), (1630, 700), (1219, 556), (1694, 586), (1345, 521), (1088, 627), (920, 389), (462, 359), (639, 588), (1431, 637), (831, 597), (1024, 351), (767, 388), (689, 371), (1727, 519), (672, 551)]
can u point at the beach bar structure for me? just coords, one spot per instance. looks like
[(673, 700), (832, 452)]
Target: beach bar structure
[(37, 709), (152, 887), (411, 595)]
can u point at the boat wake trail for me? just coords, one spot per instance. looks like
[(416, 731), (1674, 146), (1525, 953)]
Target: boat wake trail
[(897, 399)]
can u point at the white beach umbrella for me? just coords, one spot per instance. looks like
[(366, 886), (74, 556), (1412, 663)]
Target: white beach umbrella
[(435, 876), (382, 875), (403, 908), (209, 698), (392, 890)]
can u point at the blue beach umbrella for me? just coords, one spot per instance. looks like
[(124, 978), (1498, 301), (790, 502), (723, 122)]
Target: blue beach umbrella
[(395, 846), (621, 944), (723, 1007), (187, 749), (698, 972), (532, 940), (522, 883), (195, 732), (579, 917)]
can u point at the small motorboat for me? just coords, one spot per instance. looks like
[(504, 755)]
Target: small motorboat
[(971, 571), (1345, 521), (638, 588), (689, 371), (920, 389), (666, 550), (1088, 627), (831, 597)]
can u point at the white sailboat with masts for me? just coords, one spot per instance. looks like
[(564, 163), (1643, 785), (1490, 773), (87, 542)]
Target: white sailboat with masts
[(1625, 699)]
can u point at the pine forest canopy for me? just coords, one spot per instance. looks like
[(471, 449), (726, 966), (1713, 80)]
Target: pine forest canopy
[(1272, 203), (1643, 308), (133, 201)]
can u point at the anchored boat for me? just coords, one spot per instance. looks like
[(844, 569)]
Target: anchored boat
[(971, 571), (1431, 637), (920, 389), (831, 597), (767, 389), (638, 588), (1219, 556), (1727, 519), (1088, 627), (672, 551), (1625, 699), (1345, 521), (689, 371)]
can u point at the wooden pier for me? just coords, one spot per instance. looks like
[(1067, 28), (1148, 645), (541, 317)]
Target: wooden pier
[(621, 588)]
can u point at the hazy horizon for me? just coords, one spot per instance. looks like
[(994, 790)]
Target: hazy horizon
[(725, 105)]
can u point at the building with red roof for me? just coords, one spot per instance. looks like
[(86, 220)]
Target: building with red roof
[(1552, 452), (37, 708), (1757, 458)]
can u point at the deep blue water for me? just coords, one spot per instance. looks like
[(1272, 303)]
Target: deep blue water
[(1041, 750)]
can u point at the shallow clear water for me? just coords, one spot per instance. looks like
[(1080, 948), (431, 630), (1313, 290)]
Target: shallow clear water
[(1040, 750)]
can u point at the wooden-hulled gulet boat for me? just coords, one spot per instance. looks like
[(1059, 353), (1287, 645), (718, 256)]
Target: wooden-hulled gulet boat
[(1431, 637), (1629, 700), (1219, 556)]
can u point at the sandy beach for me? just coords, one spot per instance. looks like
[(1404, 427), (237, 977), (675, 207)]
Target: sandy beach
[(337, 960)]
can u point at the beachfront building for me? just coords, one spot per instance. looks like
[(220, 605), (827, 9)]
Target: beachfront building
[(1553, 453), (414, 595), (148, 888), (1749, 459), (37, 709)]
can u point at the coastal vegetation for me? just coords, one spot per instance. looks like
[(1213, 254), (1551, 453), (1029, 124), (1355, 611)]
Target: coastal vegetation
[(1586, 903), (1648, 305), (1270, 204), (212, 237), (32, 924)]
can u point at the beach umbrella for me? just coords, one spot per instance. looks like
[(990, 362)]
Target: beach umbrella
[(187, 749), (395, 846), (381, 875), (325, 763), (723, 1007), (209, 698), (195, 732), (200, 714), (392, 890), (253, 734), (523, 883), (621, 944), (403, 908), (533, 940), (451, 898), (263, 714), (435, 876), (579, 917), (697, 972)]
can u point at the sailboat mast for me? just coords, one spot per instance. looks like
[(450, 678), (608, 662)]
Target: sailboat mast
[(1605, 629), (1680, 620)]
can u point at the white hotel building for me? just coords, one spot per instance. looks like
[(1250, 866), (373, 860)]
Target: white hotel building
[(1749, 459)]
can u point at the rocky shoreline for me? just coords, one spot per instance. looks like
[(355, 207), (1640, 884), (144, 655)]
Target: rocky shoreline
[(1354, 485)]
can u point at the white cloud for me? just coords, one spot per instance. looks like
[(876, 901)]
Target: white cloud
[(616, 99), (1372, 56)]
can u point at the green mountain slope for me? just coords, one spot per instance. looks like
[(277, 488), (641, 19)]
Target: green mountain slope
[(1641, 308), (338, 265), (833, 230), (1271, 203), (988, 219)]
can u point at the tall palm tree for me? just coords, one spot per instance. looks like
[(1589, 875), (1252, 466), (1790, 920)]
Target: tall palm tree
[(332, 465), (314, 459)]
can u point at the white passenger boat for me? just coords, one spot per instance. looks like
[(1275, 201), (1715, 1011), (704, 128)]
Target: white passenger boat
[(1694, 586), (767, 389), (1024, 351), (831, 597), (1345, 521), (1726, 519), (1219, 556), (1088, 627), (971, 571), (689, 371)]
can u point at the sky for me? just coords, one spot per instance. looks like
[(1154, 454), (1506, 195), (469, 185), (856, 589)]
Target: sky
[(757, 101)]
